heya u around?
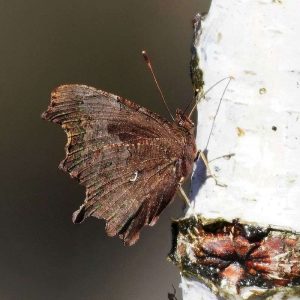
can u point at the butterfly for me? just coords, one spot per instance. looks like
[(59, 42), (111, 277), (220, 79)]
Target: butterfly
[(130, 160)]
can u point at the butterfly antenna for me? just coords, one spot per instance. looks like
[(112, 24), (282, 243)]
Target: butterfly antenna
[(215, 116), (202, 95), (148, 62)]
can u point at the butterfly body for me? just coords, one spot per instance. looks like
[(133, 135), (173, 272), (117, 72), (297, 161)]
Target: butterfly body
[(129, 159)]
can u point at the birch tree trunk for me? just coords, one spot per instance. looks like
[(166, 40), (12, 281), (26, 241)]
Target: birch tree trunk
[(256, 42)]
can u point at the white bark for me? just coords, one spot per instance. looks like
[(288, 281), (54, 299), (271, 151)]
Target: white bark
[(256, 42)]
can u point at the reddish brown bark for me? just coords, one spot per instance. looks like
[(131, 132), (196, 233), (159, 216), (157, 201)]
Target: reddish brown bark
[(242, 255)]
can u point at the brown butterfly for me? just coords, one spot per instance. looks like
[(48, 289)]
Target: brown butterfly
[(130, 159)]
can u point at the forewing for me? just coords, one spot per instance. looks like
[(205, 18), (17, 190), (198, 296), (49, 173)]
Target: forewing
[(124, 154)]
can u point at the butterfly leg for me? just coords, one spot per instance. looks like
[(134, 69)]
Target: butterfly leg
[(186, 199), (183, 195), (226, 156), (205, 161)]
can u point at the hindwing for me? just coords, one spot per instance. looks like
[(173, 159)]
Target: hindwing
[(126, 156)]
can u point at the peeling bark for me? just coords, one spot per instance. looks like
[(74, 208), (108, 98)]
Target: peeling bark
[(237, 260)]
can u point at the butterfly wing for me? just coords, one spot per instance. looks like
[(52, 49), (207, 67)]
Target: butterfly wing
[(127, 157)]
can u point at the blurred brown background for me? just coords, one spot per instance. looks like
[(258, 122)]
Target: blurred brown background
[(47, 43)]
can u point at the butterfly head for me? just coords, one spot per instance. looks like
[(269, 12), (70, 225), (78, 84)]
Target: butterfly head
[(184, 121)]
